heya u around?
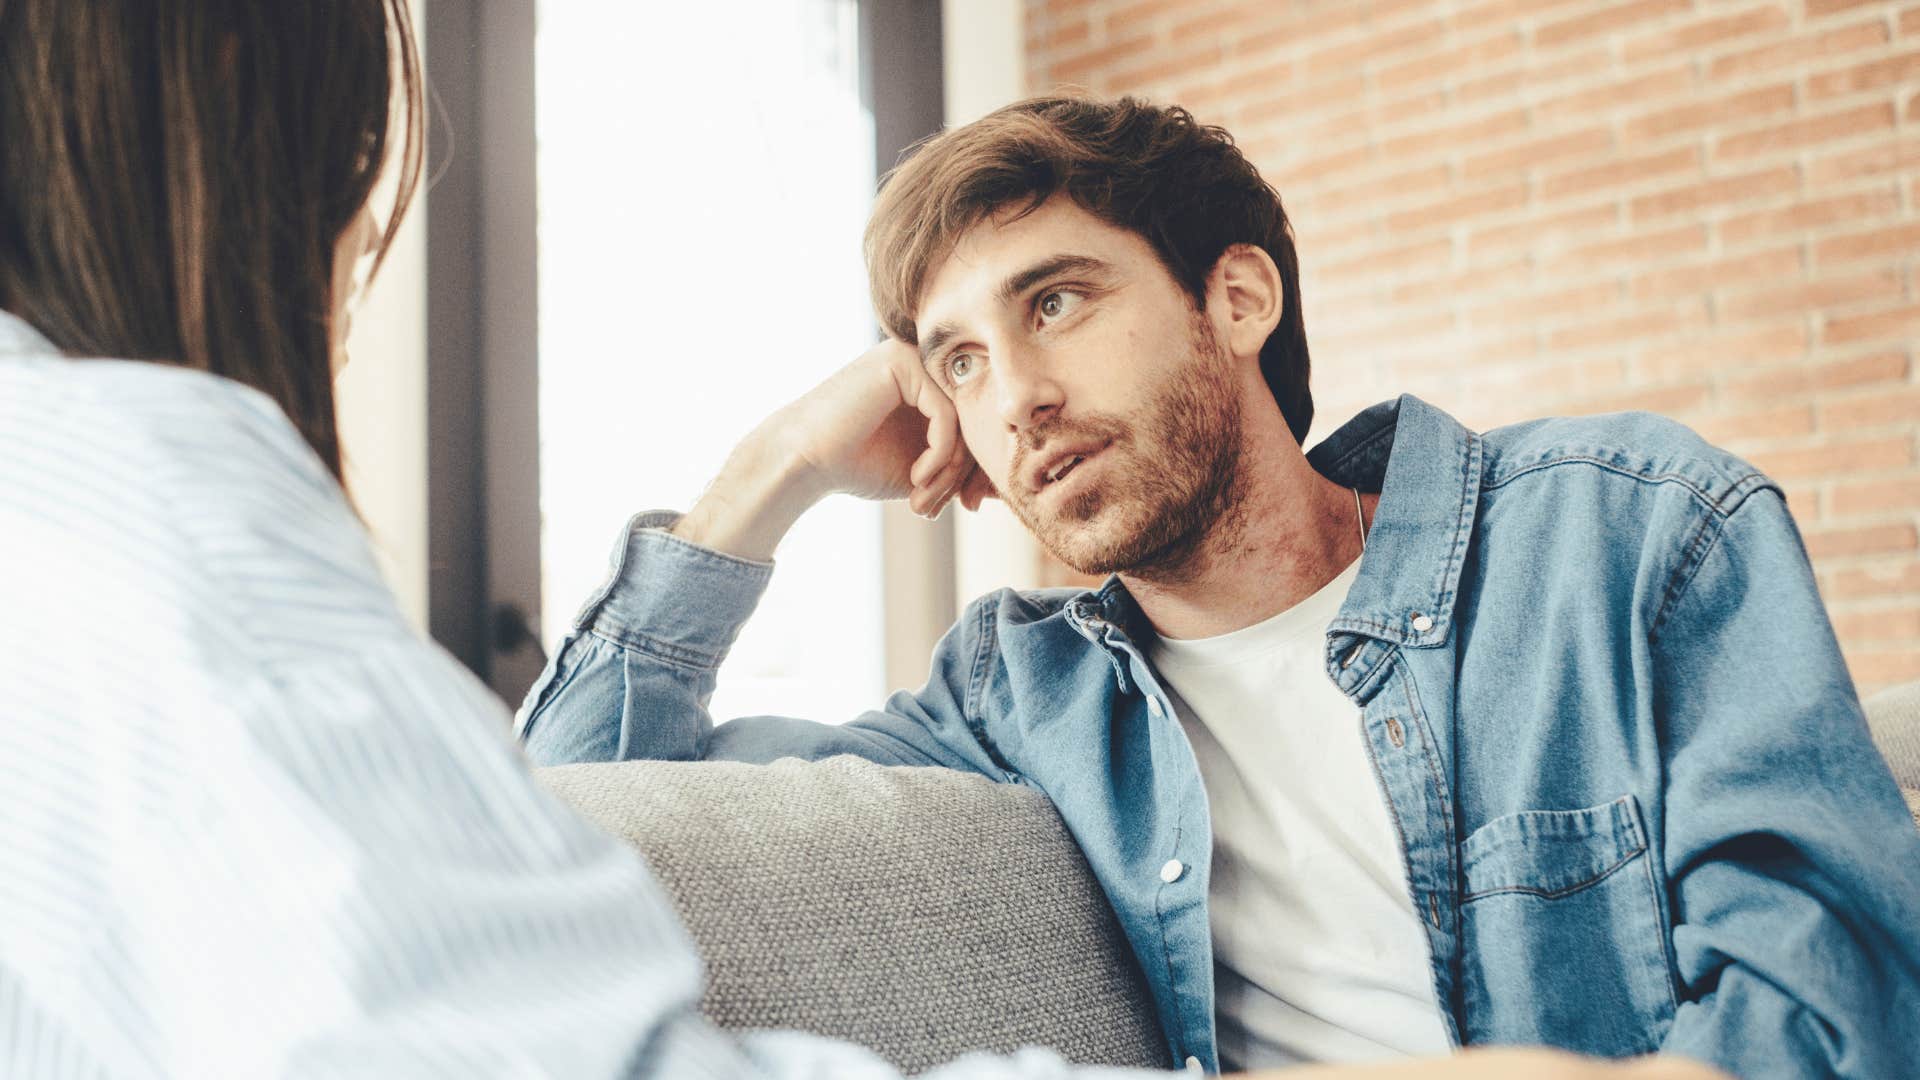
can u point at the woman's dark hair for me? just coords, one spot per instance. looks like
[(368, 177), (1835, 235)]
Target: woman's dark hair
[(175, 176), (1181, 185)]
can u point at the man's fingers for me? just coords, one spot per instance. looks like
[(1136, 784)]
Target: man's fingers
[(976, 489)]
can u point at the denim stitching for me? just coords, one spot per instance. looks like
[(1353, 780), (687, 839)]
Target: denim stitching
[(1556, 894)]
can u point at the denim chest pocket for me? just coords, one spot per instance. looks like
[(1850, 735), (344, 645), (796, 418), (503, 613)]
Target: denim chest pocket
[(1563, 937)]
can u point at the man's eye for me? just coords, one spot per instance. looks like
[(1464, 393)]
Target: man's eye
[(960, 367), (1058, 303)]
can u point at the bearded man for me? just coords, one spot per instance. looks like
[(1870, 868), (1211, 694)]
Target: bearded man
[(1423, 739)]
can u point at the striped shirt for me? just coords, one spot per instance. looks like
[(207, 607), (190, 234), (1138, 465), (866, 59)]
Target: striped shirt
[(250, 823)]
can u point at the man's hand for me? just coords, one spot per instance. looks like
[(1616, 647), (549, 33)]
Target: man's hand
[(879, 428), (1516, 1063)]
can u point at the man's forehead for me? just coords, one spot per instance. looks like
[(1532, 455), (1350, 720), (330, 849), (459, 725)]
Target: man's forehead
[(1007, 241)]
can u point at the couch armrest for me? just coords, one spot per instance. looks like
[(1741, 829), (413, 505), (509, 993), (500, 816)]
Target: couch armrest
[(923, 913)]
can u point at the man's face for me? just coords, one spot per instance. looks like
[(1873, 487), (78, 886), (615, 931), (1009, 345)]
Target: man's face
[(1089, 390)]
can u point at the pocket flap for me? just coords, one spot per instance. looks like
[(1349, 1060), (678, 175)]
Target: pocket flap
[(1551, 853)]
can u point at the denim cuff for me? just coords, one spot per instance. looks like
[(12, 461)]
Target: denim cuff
[(671, 597)]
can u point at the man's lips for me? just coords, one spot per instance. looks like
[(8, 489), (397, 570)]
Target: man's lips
[(1059, 464)]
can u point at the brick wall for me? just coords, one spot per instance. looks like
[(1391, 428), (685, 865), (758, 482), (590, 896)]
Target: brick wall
[(1705, 208)]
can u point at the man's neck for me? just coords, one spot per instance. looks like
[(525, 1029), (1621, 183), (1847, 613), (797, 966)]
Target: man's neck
[(1295, 531)]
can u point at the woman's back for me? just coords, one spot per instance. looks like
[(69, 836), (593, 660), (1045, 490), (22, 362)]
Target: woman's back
[(249, 815)]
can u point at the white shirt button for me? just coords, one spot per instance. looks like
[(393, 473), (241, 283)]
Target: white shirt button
[(1153, 706), (1193, 1066), (1171, 872), (1422, 623)]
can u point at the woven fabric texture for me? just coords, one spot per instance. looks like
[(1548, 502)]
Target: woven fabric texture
[(1894, 716), (922, 913)]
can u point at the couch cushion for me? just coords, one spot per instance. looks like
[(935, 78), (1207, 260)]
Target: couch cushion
[(923, 913)]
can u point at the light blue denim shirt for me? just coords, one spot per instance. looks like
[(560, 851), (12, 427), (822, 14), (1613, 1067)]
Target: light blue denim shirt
[(1631, 780)]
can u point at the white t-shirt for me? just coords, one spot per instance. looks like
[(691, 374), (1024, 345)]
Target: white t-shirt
[(1318, 954)]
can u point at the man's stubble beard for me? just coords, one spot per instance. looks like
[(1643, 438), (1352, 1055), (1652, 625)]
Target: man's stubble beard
[(1167, 501)]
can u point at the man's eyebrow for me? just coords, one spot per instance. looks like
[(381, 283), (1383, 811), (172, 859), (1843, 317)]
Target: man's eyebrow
[(939, 334)]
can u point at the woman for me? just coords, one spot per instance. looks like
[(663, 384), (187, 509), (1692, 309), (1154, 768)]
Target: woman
[(251, 824)]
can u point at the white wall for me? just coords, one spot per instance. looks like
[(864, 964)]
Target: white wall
[(383, 413), (985, 68)]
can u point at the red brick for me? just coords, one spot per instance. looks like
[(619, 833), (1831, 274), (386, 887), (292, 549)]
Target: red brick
[(1896, 240), (1817, 8), (1427, 255), (1891, 71), (1717, 113), (1636, 327), (1504, 12), (1834, 457), (1067, 33), (1910, 21), (1200, 58), (1897, 155), (1543, 234), (1876, 496), (1129, 17), (1607, 19), (1676, 401), (1499, 280), (1756, 424), (1455, 137), (1314, 169), (1610, 97), (1090, 67), (1450, 211), (1884, 624), (1877, 670), (1474, 56), (1529, 155), (1363, 52), (1877, 579), (1859, 540), (1265, 78), (1798, 300), (1901, 323), (1802, 216), (1727, 189), (1635, 248), (1796, 51), (1580, 300), (1690, 37), (1562, 68), (1619, 172), (1778, 264), (1805, 132), (1369, 194), (1725, 351)]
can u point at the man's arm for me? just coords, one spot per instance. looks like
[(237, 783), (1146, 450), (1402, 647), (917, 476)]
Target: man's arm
[(1794, 867), (635, 674)]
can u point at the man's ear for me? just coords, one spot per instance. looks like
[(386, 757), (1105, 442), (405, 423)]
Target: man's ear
[(1245, 299)]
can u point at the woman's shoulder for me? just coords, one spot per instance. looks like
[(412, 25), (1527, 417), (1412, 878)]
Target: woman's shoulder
[(182, 496)]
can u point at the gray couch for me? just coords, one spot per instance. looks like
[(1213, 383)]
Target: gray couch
[(920, 912)]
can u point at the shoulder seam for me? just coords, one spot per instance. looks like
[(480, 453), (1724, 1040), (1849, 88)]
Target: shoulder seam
[(1725, 504), (1705, 540)]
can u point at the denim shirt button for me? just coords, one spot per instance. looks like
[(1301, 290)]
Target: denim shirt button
[(1194, 1067), (1421, 622), (1153, 706), (1171, 872)]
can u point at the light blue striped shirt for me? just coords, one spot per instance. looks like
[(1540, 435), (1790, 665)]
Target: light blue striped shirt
[(251, 824)]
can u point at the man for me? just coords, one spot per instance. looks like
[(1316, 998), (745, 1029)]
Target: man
[(1427, 738)]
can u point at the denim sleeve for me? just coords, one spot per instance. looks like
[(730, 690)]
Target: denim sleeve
[(1792, 861), (634, 675)]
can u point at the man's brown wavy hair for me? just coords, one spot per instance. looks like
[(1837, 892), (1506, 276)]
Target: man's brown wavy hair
[(1182, 186)]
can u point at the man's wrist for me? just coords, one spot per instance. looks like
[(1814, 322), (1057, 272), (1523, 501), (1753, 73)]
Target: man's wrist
[(759, 494)]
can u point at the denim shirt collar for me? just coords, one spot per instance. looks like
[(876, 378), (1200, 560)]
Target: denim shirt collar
[(1427, 469)]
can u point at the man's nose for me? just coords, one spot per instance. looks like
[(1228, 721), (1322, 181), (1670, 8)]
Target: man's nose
[(1028, 392)]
